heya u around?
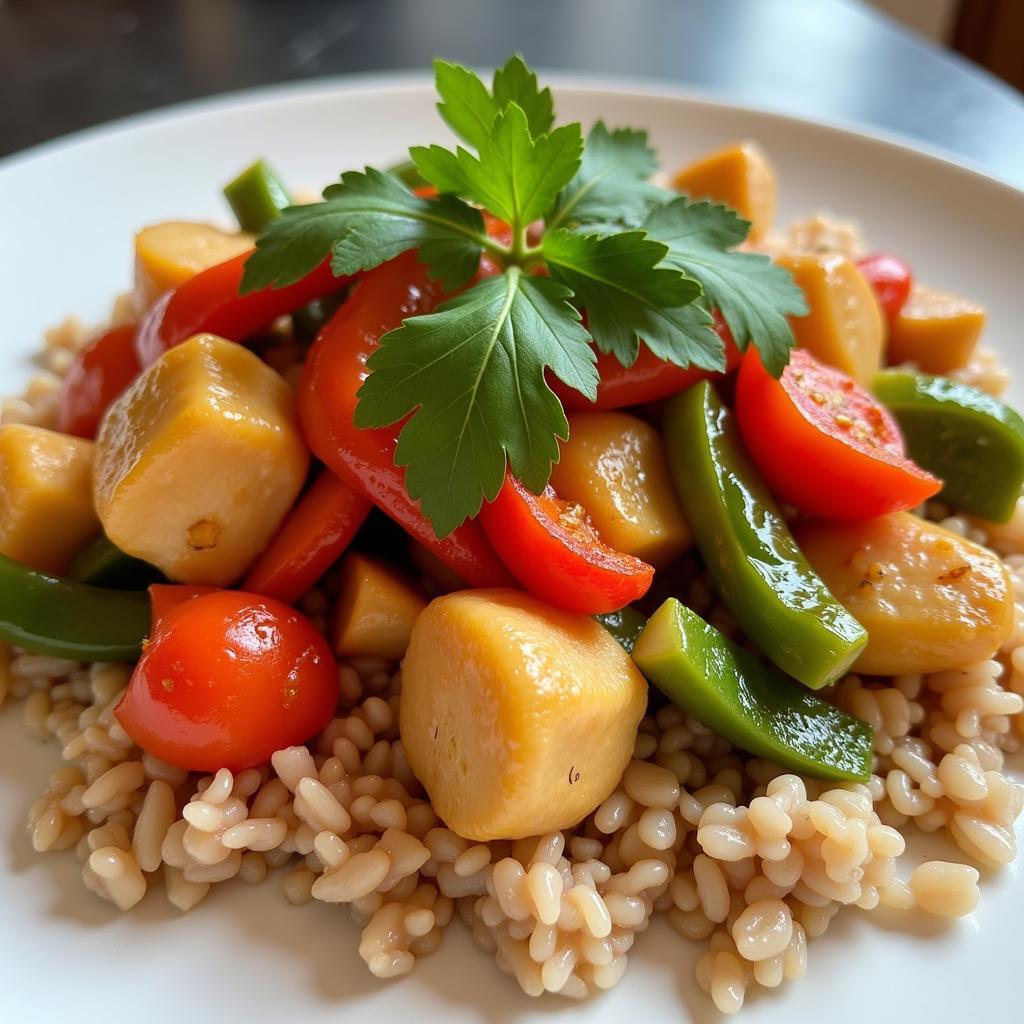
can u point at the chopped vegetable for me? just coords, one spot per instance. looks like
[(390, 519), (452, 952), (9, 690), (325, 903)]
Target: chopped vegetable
[(364, 459), (929, 599), (518, 719), (553, 550), (648, 379), (739, 176), (625, 625), (974, 442), (405, 171), (936, 331), (98, 374), (46, 512), (165, 597), (760, 573), (103, 564), (844, 327), (530, 231), (256, 196), (198, 461), (210, 303), (316, 532), (226, 679), (375, 610), (615, 466), (169, 254), (727, 689), (891, 279), (65, 619), (823, 444)]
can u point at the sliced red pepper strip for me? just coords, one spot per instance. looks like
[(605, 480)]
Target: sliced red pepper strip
[(364, 459), (98, 374), (165, 597), (550, 546), (210, 302), (317, 530), (823, 444), (649, 379)]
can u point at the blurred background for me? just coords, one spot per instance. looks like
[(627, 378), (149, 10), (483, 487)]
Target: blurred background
[(945, 72)]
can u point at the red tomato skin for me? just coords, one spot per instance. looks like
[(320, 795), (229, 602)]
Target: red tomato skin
[(98, 374), (226, 679), (891, 279), (560, 566), (165, 597), (813, 466)]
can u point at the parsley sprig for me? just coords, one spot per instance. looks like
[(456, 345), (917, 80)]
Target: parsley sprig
[(645, 265)]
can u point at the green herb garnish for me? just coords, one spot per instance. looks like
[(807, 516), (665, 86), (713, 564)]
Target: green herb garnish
[(645, 265)]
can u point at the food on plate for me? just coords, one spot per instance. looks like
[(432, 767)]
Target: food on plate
[(46, 509), (760, 572), (739, 176), (375, 610), (968, 438), (615, 466), (198, 461), (844, 327), (936, 330), (823, 444), (396, 498), (518, 719), (929, 599)]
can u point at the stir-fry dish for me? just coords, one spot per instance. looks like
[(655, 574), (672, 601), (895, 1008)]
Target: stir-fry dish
[(510, 536)]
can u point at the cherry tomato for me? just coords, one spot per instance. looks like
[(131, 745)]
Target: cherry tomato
[(99, 373), (553, 550), (165, 597), (823, 443), (226, 679), (891, 279)]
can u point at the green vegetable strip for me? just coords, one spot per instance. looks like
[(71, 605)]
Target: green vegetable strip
[(47, 615), (408, 175), (757, 709), (970, 440), (257, 197), (102, 564), (762, 577), (625, 625)]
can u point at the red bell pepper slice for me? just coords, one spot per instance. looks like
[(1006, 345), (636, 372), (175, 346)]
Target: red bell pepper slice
[(317, 530), (99, 373), (364, 459), (552, 548), (649, 379), (891, 279), (823, 444), (209, 302)]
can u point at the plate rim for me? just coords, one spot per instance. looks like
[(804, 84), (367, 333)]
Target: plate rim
[(417, 80)]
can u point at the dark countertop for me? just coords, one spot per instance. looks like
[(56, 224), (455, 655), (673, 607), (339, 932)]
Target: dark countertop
[(66, 64)]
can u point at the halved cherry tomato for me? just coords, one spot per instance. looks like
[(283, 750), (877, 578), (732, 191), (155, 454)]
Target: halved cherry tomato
[(99, 373), (165, 597), (317, 530), (649, 379), (210, 302), (226, 679), (891, 279), (823, 443), (552, 548), (364, 459)]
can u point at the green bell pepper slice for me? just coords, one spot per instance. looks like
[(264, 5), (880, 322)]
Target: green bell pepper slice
[(257, 197), (102, 564), (750, 704), (625, 625), (67, 619), (760, 574), (973, 442)]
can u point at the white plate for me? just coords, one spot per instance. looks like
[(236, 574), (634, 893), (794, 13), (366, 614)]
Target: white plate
[(67, 213)]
